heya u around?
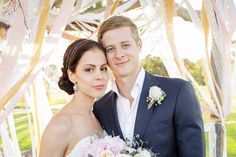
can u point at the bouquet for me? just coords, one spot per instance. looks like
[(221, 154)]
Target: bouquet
[(114, 147)]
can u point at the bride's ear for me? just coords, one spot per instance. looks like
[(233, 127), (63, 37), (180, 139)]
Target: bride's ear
[(71, 76)]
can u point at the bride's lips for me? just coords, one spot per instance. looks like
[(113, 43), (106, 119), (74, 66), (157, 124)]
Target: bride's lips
[(99, 87)]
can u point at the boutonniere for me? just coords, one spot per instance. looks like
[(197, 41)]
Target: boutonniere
[(155, 97)]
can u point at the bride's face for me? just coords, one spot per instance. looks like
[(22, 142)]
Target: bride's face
[(91, 73)]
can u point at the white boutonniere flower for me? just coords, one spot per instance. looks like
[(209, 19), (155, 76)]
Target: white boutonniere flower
[(155, 97)]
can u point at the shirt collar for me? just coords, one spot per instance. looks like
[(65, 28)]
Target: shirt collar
[(138, 82)]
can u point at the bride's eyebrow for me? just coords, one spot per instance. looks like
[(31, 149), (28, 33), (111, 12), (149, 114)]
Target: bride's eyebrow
[(105, 64), (93, 65)]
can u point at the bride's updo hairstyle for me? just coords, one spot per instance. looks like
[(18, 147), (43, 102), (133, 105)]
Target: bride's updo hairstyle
[(71, 58)]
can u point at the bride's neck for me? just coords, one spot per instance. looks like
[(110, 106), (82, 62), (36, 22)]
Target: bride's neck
[(82, 104)]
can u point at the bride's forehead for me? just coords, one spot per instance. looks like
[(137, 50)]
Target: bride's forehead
[(92, 56)]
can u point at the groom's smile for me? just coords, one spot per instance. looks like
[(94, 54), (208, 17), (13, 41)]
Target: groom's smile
[(123, 63)]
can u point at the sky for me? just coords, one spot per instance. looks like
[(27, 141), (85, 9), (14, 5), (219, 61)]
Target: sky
[(187, 39)]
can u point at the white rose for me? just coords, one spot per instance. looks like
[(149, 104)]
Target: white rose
[(107, 153), (155, 92)]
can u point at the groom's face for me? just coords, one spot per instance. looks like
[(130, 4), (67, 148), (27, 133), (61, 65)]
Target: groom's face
[(122, 51)]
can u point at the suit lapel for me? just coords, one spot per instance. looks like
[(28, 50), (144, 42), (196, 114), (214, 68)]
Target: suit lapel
[(143, 114), (113, 118)]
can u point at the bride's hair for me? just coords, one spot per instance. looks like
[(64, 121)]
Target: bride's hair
[(71, 58)]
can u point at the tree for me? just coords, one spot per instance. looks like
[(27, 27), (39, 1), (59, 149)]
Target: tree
[(154, 65), (196, 70)]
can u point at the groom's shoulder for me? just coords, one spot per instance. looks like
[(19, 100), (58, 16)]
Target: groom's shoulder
[(106, 98), (168, 80), (168, 83)]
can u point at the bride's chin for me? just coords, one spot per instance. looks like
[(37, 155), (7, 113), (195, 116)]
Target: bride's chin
[(98, 96)]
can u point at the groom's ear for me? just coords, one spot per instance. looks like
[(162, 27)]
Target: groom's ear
[(71, 76), (139, 44)]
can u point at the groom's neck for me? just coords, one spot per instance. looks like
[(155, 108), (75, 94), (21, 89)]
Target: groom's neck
[(125, 86)]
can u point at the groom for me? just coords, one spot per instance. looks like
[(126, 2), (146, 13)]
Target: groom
[(173, 127)]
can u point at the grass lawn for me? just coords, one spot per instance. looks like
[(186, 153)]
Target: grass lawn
[(230, 124)]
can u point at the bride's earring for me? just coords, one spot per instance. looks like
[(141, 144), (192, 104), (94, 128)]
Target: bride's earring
[(75, 88)]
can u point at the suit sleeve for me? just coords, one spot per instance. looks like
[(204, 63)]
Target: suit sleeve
[(189, 124)]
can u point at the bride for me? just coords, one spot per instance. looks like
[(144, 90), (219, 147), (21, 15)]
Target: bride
[(84, 74)]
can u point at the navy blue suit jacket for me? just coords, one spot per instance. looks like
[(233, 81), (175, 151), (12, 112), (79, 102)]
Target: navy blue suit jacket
[(172, 129)]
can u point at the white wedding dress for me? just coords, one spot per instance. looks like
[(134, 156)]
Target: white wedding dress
[(79, 148)]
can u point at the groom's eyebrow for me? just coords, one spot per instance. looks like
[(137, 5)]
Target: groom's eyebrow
[(122, 41), (108, 46)]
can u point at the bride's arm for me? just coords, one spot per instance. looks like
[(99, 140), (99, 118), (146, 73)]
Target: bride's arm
[(55, 138)]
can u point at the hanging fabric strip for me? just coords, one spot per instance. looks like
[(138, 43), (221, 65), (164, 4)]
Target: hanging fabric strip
[(29, 108), (224, 59), (212, 109), (43, 107), (115, 5), (12, 130), (153, 32), (36, 119), (35, 58), (7, 144), (169, 10), (203, 49), (210, 78), (10, 53)]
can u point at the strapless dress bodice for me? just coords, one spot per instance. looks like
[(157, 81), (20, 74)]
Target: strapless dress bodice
[(79, 148)]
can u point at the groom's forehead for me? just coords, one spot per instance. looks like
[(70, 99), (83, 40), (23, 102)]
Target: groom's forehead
[(117, 36)]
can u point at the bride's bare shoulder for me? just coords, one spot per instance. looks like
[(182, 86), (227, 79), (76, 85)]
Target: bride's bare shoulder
[(56, 135), (60, 124)]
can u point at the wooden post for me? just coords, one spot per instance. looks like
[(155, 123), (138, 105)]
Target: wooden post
[(217, 140)]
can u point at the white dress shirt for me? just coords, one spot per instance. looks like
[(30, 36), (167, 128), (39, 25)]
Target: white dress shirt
[(127, 112)]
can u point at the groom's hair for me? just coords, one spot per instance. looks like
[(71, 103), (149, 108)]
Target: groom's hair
[(115, 22)]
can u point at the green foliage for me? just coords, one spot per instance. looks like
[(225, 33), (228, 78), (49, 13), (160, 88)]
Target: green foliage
[(57, 3), (96, 8), (56, 97), (154, 65), (22, 130), (21, 103), (196, 69)]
